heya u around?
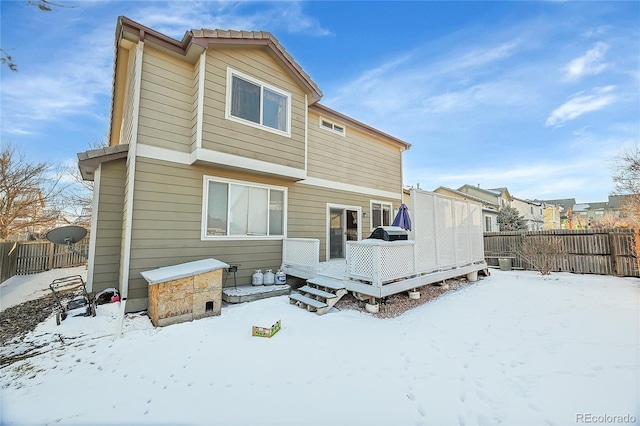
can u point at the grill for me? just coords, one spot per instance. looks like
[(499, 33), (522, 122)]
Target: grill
[(389, 233)]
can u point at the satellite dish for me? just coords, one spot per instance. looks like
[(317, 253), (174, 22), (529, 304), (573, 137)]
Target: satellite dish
[(68, 236)]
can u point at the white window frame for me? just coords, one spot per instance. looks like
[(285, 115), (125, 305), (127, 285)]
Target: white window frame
[(332, 129), (230, 74), (382, 203), (205, 203)]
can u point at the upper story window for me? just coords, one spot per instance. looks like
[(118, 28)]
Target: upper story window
[(380, 214), (334, 127), (235, 209), (257, 104)]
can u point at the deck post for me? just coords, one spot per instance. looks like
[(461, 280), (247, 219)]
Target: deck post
[(377, 282)]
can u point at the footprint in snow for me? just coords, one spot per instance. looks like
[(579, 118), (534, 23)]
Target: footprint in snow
[(461, 421)]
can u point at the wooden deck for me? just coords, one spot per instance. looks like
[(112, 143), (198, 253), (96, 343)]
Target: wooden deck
[(333, 273)]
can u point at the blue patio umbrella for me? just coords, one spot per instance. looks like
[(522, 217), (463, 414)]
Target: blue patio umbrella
[(402, 218)]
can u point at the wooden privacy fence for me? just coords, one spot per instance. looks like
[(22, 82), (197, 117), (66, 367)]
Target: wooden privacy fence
[(589, 251), (38, 256), (8, 259)]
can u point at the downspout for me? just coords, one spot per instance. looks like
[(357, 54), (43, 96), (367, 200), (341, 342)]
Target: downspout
[(200, 110), (131, 172), (94, 226)]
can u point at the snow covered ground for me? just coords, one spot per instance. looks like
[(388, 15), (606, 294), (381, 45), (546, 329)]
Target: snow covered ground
[(515, 348), (20, 288)]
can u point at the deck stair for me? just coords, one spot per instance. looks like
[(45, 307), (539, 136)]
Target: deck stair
[(318, 295)]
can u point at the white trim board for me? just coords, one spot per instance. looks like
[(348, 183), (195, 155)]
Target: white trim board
[(131, 165), (340, 186), (251, 164)]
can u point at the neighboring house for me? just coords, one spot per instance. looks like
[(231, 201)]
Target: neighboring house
[(532, 211), (580, 215), (489, 208), (565, 205), (552, 216), (498, 196), (218, 148)]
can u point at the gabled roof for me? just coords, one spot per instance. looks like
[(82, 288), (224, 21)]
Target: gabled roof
[(534, 202), (194, 41), (494, 192), (500, 191), (466, 196), (565, 203)]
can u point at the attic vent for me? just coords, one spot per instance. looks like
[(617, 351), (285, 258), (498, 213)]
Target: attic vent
[(329, 125)]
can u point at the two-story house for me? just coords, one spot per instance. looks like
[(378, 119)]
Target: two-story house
[(497, 196), (532, 211), (219, 148), (582, 215)]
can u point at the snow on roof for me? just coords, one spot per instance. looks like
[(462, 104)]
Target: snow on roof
[(168, 273)]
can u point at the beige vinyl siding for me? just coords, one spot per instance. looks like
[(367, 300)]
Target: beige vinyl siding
[(220, 134), (109, 225), (308, 211), (357, 158), (167, 219), (445, 191), (127, 119), (166, 102)]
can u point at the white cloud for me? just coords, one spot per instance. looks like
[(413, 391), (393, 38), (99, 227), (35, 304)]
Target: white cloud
[(581, 104), (547, 180), (493, 93), (70, 84), (592, 62), (175, 17), (483, 56)]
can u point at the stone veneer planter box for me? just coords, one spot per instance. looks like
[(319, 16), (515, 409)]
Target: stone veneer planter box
[(185, 292)]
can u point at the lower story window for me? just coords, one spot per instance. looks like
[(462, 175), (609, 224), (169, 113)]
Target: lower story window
[(239, 209), (380, 214)]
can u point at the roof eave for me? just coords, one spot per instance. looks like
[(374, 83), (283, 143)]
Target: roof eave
[(90, 160)]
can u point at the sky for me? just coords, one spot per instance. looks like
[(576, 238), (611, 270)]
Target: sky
[(521, 349), (538, 97)]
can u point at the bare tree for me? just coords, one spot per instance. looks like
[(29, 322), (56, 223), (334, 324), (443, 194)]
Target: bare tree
[(609, 221), (78, 195), (28, 195), (541, 252), (6, 59), (43, 5), (627, 183)]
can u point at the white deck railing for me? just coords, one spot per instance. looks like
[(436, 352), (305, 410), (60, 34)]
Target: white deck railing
[(380, 262), (301, 253)]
